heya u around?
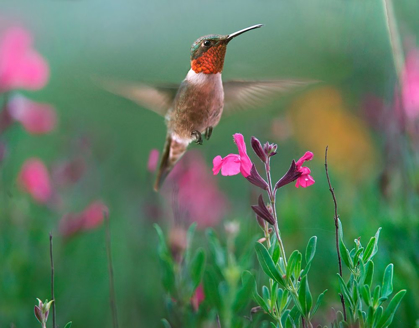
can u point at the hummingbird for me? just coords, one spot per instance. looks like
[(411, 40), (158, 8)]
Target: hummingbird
[(193, 108)]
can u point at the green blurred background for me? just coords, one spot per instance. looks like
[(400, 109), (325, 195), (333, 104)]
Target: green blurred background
[(344, 44)]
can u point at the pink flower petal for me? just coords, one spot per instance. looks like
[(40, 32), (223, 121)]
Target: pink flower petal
[(304, 181), (217, 162), (94, 214), (231, 165), (21, 67), (239, 140), (36, 118), (410, 84), (308, 156), (34, 179)]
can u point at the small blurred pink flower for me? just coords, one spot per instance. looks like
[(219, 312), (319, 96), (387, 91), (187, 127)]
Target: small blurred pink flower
[(305, 180), (34, 179), (153, 160), (234, 164), (410, 84), (198, 297), (21, 67), (90, 218), (206, 207), (36, 118)]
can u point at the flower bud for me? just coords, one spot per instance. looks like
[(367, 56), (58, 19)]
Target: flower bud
[(42, 311), (270, 149), (257, 148)]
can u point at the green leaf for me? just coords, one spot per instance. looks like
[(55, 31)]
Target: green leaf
[(273, 325), (369, 273), (162, 246), (304, 296), (267, 264), (284, 317), (166, 323), (388, 315), (167, 274), (211, 290), (274, 294), (189, 238), (265, 293), (197, 266), (357, 254), (244, 294), (216, 249), (311, 249), (292, 265), (276, 254), (346, 257), (377, 315), (365, 294), (68, 325), (318, 303), (368, 251), (376, 295), (387, 286), (345, 292), (375, 249)]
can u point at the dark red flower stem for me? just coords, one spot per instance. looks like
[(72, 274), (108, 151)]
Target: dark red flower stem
[(336, 218), (52, 280)]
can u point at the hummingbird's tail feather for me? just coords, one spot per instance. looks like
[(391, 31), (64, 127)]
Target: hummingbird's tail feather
[(173, 151)]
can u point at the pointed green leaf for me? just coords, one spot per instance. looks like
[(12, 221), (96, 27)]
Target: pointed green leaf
[(304, 296), (292, 265), (375, 249), (388, 315), (376, 295), (346, 257), (276, 254), (387, 287), (216, 249), (369, 273), (311, 249), (245, 292), (377, 315), (318, 303), (284, 317), (197, 266), (345, 292), (285, 299), (68, 325), (365, 294), (189, 238), (368, 251), (162, 246), (267, 264), (211, 290), (166, 323)]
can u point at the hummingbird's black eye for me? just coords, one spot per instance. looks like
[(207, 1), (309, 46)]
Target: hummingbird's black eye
[(207, 43)]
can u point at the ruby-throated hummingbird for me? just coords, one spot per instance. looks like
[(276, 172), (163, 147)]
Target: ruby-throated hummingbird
[(194, 108)]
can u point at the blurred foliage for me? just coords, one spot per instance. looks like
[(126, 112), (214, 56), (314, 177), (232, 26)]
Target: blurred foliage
[(342, 43)]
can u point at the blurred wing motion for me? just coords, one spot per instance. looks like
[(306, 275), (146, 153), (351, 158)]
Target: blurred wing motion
[(157, 98), (238, 95), (241, 95)]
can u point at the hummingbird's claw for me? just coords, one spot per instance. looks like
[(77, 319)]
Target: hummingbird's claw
[(198, 137), (208, 132)]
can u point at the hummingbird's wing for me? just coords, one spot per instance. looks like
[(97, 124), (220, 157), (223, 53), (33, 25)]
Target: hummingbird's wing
[(241, 95), (157, 98)]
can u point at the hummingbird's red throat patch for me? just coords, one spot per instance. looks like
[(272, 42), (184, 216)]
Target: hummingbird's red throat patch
[(211, 61)]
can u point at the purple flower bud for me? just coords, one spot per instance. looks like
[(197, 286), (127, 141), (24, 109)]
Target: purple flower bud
[(38, 314), (257, 148), (256, 179), (270, 149), (262, 211), (292, 175)]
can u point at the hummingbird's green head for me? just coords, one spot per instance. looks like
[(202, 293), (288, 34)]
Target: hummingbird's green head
[(208, 52)]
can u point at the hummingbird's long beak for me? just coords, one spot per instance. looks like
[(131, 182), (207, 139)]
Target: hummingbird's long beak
[(233, 35)]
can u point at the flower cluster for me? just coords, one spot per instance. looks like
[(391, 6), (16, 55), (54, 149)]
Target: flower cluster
[(42, 311), (234, 164)]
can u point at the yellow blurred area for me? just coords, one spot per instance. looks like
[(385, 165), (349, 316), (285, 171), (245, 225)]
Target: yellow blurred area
[(319, 118)]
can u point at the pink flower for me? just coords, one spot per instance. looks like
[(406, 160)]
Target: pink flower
[(305, 179), (90, 218), (410, 84), (206, 207), (34, 179), (153, 160), (234, 164), (198, 297), (36, 118), (21, 67)]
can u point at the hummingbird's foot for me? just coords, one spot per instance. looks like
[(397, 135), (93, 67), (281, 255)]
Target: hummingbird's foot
[(198, 137), (208, 132)]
